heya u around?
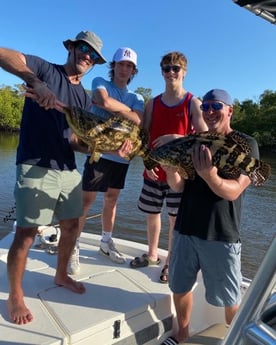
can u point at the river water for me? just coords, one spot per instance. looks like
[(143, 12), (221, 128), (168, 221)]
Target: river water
[(258, 222)]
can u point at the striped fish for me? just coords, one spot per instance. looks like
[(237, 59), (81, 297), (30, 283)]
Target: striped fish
[(230, 154), (106, 135)]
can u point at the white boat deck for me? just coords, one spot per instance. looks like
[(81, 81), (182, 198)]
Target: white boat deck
[(122, 306)]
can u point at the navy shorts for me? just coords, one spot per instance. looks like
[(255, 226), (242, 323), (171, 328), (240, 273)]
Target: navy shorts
[(103, 174), (219, 262)]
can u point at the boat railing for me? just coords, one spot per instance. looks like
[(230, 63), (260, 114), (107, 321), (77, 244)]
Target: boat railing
[(255, 321)]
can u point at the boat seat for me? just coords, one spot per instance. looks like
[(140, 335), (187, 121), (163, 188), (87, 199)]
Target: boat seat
[(210, 336)]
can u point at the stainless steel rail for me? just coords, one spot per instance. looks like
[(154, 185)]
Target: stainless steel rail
[(249, 326)]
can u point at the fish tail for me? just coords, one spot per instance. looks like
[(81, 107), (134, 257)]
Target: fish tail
[(260, 173)]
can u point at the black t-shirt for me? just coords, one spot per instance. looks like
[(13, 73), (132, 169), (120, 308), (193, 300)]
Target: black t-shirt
[(44, 134), (204, 214)]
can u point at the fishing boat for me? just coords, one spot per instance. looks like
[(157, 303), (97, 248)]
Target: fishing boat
[(122, 305)]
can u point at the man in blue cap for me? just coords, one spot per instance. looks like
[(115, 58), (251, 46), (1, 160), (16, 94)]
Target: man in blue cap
[(207, 229), (47, 181)]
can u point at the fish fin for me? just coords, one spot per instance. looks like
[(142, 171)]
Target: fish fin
[(97, 130), (184, 174), (186, 170), (149, 163), (230, 172), (92, 152), (241, 140), (97, 156)]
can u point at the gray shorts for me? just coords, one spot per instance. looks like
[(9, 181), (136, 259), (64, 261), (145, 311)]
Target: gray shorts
[(219, 262), (152, 198), (40, 193)]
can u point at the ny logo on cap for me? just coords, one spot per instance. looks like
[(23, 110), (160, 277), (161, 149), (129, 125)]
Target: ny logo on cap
[(127, 53)]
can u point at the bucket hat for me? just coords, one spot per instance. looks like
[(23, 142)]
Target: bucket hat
[(90, 38)]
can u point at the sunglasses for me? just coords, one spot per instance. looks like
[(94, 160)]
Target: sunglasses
[(215, 106), (85, 49), (174, 68)]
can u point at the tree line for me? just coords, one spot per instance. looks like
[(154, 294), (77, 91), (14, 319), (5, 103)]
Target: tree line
[(255, 118)]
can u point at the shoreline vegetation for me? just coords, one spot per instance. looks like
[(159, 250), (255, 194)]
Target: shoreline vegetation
[(255, 118)]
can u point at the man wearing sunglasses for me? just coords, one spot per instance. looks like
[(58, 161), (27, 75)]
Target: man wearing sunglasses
[(109, 173), (207, 228), (48, 182), (172, 114)]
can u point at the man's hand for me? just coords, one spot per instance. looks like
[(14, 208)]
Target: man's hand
[(169, 169), (152, 173), (164, 139), (41, 94), (202, 161), (125, 149), (174, 180)]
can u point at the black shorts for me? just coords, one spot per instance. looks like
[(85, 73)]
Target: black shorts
[(104, 174)]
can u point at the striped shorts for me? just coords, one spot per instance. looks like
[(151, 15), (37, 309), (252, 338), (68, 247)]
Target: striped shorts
[(152, 198)]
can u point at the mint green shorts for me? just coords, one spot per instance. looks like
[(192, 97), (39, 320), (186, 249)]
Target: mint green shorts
[(42, 194)]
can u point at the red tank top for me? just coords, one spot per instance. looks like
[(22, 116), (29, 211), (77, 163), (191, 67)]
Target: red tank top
[(169, 120)]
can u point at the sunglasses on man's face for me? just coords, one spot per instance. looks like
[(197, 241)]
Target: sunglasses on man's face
[(174, 68), (215, 106), (85, 49)]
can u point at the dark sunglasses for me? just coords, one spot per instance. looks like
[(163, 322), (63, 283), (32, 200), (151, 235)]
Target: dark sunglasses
[(215, 106), (85, 49), (174, 68)]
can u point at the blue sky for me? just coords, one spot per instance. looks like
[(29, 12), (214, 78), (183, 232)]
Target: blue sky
[(227, 46)]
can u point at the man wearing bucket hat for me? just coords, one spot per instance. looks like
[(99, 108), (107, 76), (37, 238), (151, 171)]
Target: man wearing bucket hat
[(207, 228), (47, 181), (93, 45), (109, 173)]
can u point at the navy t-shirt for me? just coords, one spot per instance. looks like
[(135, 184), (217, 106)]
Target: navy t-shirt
[(206, 215), (44, 134)]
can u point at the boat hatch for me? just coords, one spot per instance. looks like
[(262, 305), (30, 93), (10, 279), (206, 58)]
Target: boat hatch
[(116, 307), (121, 305)]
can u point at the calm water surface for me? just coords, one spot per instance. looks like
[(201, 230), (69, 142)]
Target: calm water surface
[(258, 223)]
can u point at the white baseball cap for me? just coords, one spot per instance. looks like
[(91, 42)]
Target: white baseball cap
[(125, 54)]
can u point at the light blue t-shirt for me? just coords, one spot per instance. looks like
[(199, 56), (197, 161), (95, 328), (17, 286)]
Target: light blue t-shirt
[(133, 100)]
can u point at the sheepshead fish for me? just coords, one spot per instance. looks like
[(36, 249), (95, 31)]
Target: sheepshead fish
[(230, 154), (106, 135)]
